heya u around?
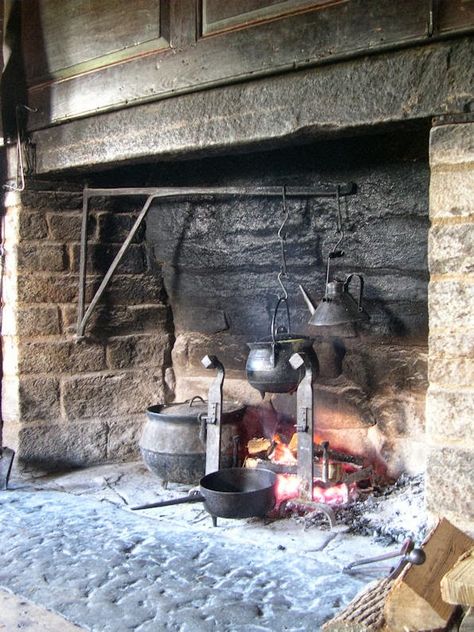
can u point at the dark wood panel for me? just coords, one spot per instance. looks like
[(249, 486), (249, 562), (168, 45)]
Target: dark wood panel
[(183, 27), (451, 15), (219, 16), (336, 31), (63, 38)]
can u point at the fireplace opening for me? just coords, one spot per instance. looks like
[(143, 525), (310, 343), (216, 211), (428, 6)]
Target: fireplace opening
[(200, 280)]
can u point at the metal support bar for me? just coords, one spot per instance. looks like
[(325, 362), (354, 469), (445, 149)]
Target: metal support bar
[(329, 191), (167, 193), (305, 426), (84, 317), (214, 415)]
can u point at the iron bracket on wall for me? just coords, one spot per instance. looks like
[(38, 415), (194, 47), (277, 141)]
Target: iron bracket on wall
[(153, 193)]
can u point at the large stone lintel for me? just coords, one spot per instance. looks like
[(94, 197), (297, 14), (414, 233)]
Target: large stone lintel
[(415, 83)]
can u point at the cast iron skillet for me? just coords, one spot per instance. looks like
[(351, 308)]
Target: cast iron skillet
[(231, 493)]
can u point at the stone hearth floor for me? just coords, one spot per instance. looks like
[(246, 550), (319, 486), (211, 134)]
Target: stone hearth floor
[(70, 544)]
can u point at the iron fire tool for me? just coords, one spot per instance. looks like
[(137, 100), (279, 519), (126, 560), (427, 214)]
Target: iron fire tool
[(408, 553), (6, 462)]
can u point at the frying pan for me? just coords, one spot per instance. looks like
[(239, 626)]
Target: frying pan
[(231, 493)]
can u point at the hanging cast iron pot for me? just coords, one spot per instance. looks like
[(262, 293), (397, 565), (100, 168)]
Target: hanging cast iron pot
[(268, 368)]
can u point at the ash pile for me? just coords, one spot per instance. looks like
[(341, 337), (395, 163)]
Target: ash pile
[(389, 514)]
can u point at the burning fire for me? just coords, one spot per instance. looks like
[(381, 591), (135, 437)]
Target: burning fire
[(335, 495), (281, 452), (288, 484)]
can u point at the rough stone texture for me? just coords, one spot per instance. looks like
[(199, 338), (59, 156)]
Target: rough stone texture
[(451, 192), (452, 340), (32, 225), (30, 398), (35, 257), (52, 288), (189, 349), (30, 320), (449, 482), (137, 351), (450, 403), (66, 227), (60, 357), (114, 228), (391, 368), (451, 145), (110, 394), (53, 383), (451, 248), (56, 446), (449, 415), (123, 436), (342, 407), (452, 301), (39, 398), (100, 257), (445, 370), (119, 319), (400, 417)]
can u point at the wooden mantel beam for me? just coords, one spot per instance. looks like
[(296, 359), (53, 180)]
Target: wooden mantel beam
[(415, 83)]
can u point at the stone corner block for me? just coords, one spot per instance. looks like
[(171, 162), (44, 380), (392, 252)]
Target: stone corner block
[(51, 447)]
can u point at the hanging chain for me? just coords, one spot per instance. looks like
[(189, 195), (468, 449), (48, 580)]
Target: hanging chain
[(339, 229), (334, 253), (282, 237)]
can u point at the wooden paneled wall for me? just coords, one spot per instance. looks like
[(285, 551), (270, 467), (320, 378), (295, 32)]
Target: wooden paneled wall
[(81, 57)]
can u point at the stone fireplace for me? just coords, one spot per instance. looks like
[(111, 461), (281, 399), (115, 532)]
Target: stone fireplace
[(201, 274)]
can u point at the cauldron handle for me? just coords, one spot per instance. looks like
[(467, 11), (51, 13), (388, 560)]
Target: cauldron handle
[(281, 299), (191, 401)]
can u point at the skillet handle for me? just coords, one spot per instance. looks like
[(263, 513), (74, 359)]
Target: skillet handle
[(191, 498)]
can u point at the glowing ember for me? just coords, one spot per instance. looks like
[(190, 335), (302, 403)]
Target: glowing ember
[(287, 487), (336, 495)]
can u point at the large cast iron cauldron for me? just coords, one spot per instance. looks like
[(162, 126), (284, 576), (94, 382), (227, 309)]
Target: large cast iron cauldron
[(231, 493), (172, 445)]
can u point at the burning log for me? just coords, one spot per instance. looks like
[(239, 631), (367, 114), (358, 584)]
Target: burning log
[(258, 446), (415, 600), (336, 474), (265, 464), (264, 447), (364, 613)]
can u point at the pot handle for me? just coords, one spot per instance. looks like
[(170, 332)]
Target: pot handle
[(361, 287), (191, 401), (281, 299)]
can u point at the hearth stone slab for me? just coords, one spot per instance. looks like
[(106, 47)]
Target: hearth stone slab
[(21, 614), (70, 548)]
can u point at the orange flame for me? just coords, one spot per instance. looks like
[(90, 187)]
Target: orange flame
[(281, 453)]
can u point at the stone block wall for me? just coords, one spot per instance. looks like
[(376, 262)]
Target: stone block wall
[(450, 398), (68, 403)]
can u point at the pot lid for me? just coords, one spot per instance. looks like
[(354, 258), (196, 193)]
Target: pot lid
[(190, 409)]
